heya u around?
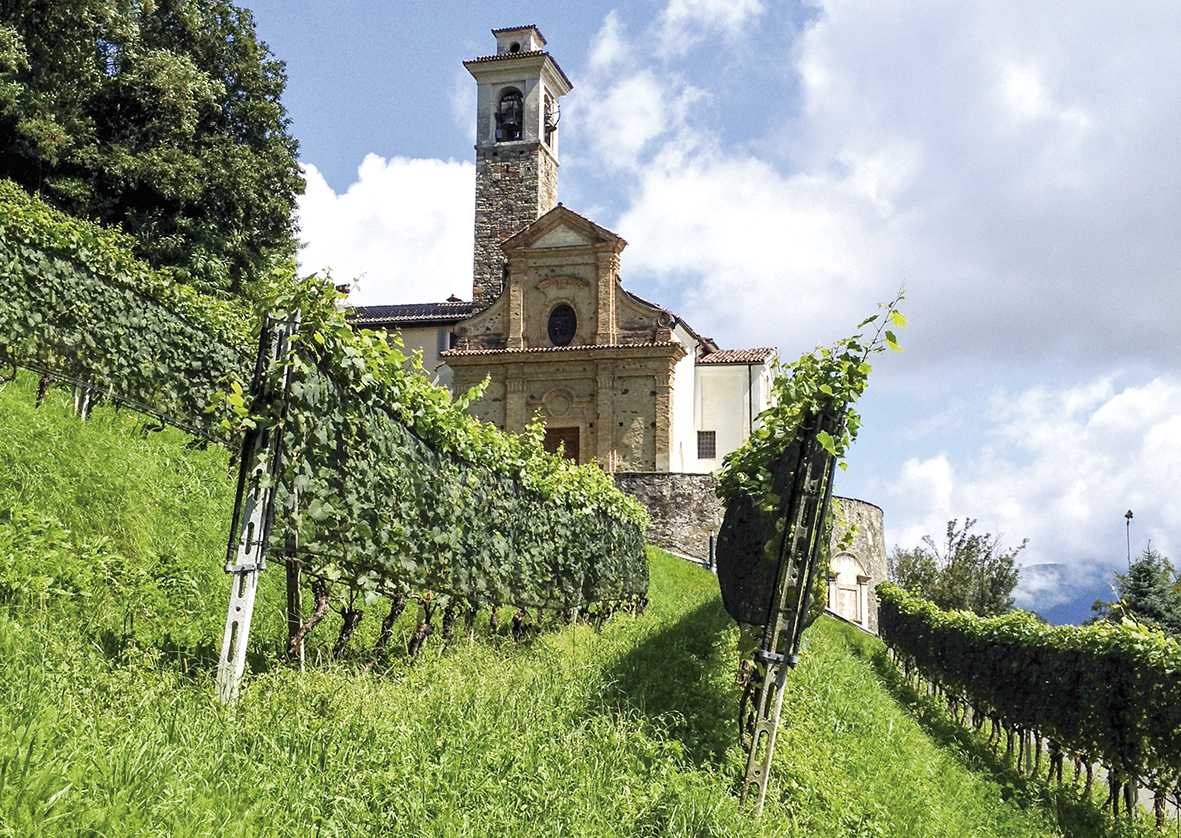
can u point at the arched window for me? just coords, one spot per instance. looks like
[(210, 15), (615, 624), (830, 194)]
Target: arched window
[(508, 116), (562, 325)]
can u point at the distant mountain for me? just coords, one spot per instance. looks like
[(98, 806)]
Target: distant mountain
[(1060, 592)]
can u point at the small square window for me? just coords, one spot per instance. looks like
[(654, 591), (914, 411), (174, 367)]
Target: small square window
[(707, 445)]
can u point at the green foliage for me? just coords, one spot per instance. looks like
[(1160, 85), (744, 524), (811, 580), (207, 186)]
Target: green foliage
[(827, 379), (970, 572), (76, 301), (756, 479), (388, 484), (109, 722), (1107, 691), (163, 118), (396, 484), (1150, 593)]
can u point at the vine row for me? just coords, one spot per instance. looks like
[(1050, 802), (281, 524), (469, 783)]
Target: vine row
[(388, 485), (1109, 693)]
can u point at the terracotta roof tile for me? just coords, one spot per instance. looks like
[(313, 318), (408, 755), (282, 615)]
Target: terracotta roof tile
[(505, 56), (519, 29), (570, 348), (737, 356)]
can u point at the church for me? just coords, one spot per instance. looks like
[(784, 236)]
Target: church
[(618, 380)]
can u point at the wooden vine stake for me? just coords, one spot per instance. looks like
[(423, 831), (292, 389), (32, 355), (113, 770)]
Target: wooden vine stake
[(804, 511), (254, 507)]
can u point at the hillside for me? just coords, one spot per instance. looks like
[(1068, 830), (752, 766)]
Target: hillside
[(111, 604)]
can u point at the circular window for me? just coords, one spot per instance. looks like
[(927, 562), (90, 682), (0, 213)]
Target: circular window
[(562, 324)]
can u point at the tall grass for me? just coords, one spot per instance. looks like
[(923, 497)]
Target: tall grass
[(109, 723)]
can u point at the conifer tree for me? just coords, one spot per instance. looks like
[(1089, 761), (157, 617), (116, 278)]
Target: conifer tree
[(1148, 593)]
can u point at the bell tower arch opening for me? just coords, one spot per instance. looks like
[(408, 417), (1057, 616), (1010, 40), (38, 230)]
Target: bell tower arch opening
[(517, 93), (508, 116)]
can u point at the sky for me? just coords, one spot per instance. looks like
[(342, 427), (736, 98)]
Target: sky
[(779, 169)]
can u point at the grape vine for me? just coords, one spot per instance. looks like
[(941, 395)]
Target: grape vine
[(388, 484), (1108, 692)]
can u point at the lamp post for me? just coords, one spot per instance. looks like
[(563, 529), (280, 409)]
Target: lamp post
[(1128, 519)]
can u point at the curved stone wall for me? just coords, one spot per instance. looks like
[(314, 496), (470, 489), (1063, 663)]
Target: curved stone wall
[(685, 513)]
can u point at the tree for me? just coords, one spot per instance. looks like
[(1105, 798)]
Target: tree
[(159, 116), (969, 571), (1149, 593)]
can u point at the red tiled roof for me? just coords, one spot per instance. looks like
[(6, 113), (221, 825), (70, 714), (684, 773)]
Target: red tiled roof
[(505, 56), (519, 29), (737, 356)]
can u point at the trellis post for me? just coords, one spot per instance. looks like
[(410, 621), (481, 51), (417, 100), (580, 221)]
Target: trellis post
[(254, 506), (804, 511)]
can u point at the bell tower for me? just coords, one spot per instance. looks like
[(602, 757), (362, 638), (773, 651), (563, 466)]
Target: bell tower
[(517, 96)]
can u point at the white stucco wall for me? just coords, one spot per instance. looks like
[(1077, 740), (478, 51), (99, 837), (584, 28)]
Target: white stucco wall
[(728, 398), (431, 340), (682, 455)]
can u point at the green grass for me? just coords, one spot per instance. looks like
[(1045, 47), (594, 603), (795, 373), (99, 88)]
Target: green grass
[(112, 600)]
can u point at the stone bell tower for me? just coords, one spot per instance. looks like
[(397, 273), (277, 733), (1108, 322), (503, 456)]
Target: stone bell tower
[(518, 90)]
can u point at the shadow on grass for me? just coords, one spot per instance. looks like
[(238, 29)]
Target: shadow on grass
[(671, 679), (1074, 814)]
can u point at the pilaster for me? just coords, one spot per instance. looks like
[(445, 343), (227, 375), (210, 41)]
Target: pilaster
[(664, 412), (605, 416), (515, 410), (606, 331), (515, 338)]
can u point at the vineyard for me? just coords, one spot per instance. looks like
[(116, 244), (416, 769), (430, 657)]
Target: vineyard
[(383, 486), (1103, 693), (112, 596)]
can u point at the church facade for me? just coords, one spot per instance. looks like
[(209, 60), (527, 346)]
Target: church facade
[(617, 380)]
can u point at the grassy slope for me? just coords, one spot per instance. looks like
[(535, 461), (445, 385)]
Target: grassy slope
[(108, 722)]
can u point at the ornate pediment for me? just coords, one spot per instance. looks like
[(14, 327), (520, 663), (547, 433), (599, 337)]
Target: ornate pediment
[(563, 236), (561, 227)]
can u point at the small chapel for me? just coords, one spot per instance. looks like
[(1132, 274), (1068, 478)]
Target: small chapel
[(618, 380)]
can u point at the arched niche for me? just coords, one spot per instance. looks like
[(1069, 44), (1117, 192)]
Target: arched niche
[(848, 588)]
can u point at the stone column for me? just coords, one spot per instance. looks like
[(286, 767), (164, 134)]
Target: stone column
[(863, 600)]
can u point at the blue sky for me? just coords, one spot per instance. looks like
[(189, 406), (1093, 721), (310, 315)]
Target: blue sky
[(780, 168)]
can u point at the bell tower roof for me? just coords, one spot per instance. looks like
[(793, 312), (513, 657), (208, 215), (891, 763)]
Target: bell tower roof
[(518, 39)]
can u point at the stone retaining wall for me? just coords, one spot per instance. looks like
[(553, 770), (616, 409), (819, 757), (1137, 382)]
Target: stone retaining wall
[(685, 512), (684, 509)]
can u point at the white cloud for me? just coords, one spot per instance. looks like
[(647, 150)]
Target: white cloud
[(1059, 466), (1014, 168), (609, 47), (684, 23), (622, 125), (403, 230)]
